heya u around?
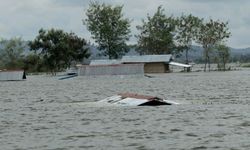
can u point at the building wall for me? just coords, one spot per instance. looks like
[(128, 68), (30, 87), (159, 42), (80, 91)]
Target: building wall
[(123, 69), (156, 68), (11, 75)]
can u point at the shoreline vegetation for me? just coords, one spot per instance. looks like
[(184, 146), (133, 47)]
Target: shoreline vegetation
[(54, 50)]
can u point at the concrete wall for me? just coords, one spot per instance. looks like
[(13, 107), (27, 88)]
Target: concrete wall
[(123, 69)]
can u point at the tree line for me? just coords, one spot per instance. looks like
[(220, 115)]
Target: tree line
[(54, 49)]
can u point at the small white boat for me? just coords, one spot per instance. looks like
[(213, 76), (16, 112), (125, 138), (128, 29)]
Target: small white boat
[(130, 99)]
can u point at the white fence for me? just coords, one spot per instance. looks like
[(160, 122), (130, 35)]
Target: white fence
[(122, 69)]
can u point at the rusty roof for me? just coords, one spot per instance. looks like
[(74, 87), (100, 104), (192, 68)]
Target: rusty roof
[(137, 96)]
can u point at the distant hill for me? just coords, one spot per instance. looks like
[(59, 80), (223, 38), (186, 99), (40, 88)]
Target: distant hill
[(95, 54), (196, 54), (26, 49), (245, 51)]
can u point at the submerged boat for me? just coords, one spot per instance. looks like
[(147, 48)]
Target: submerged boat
[(70, 73), (68, 76), (131, 99)]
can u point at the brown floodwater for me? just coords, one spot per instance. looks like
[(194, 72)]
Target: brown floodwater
[(50, 114)]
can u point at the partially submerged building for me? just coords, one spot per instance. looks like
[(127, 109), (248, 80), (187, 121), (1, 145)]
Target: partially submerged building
[(130, 65), (12, 75), (119, 69), (152, 63)]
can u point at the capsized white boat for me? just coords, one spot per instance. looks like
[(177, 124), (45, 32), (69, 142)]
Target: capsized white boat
[(131, 99)]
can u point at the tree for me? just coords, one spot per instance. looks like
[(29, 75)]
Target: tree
[(156, 34), (11, 53), (223, 55), (109, 28), (187, 29), (59, 49), (210, 34), (34, 63)]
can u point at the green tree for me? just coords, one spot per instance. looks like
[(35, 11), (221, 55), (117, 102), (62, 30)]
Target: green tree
[(156, 34), (209, 34), (187, 29), (34, 63), (222, 56), (58, 49), (11, 53), (109, 28)]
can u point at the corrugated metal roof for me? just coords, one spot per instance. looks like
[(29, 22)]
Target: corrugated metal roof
[(180, 64), (105, 62), (130, 99), (146, 58)]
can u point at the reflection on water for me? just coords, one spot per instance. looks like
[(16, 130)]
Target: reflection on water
[(45, 113)]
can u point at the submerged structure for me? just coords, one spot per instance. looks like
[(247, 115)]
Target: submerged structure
[(12, 75), (130, 65), (131, 99), (111, 69), (152, 63)]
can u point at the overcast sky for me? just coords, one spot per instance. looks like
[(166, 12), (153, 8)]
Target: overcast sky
[(25, 17)]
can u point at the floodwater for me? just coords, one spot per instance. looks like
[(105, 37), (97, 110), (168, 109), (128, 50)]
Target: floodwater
[(44, 113)]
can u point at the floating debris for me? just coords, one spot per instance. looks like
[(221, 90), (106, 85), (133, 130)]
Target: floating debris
[(130, 99), (68, 76)]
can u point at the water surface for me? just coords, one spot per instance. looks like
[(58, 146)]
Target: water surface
[(46, 113)]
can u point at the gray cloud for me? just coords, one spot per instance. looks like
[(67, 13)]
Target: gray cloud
[(214, 1), (70, 3), (24, 18)]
